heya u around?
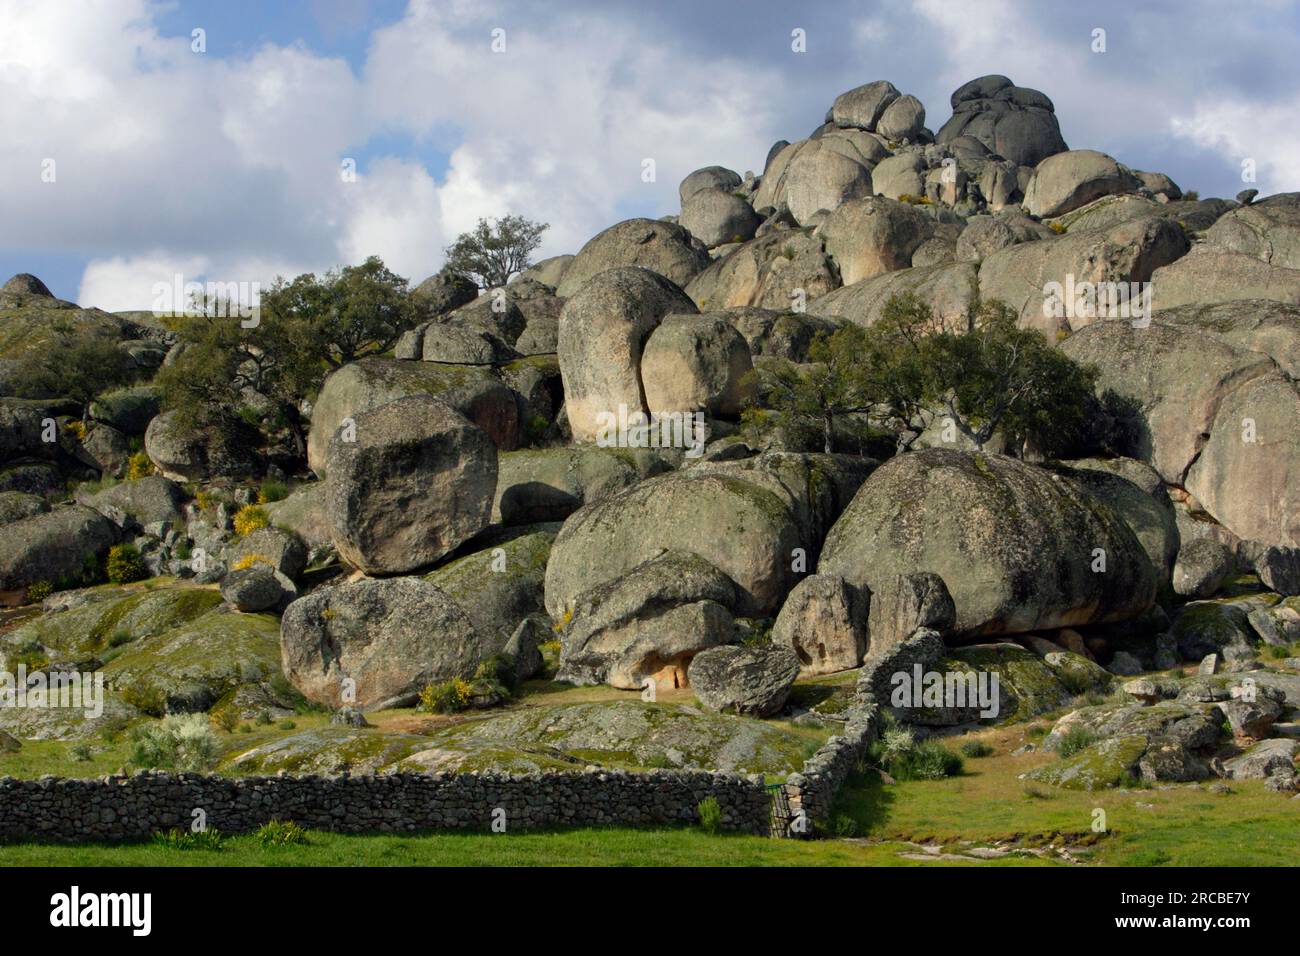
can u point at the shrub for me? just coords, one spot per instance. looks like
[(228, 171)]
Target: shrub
[(125, 564), (1075, 739), (1056, 227), (139, 466), (287, 725), (976, 748), (249, 518), (145, 697), (1034, 792), (120, 636), (710, 814), (175, 839), (39, 591), (227, 718), (843, 825), (263, 718), (81, 752), (281, 833), (78, 429), (1192, 195), (447, 697), (929, 760), (248, 560), (178, 742), (271, 491)]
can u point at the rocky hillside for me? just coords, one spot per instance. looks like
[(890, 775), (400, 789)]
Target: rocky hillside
[(473, 518)]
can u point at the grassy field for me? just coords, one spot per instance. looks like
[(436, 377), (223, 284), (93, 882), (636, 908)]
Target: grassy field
[(985, 817)]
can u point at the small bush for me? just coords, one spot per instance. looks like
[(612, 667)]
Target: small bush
[(77, 429), (281, 833), (287, 725), (175, 839), (145, 697), (227, 718), (710, 814), (138, 466), (844, 826), (178, 742), (1192, 195), (81, 752), (248, 560), (245, 728), (1036, 731), (125, 564), (120, 636), (448, 697), (975, 749), (263, 718), (1034, 792), (249, 518), (1056, 227), (39, 591), (1075, 739), (272, 491), (929, 760)]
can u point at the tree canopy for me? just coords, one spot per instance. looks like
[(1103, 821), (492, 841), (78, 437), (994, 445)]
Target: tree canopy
[(491, 253)]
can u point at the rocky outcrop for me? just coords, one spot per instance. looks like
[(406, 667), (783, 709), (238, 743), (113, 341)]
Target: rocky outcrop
[(660, 247), (753, 681), (374, 642), (647, 624), (603, 330), (823, 622), (415, 481), (1019, 548)]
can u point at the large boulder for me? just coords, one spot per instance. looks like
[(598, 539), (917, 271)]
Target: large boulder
[(444, 292), (360, 386), (1248, 472), (696, 363), (660, 247), (150, 500), (1034, 278), (1066, 181), (1202, 567), (1137, 493), (717, 216), (1210, 274), (947, 289), (391, 638), (1173, 378), (648, 623), (602, 332), (902, 604), (417, 480), (902, 119), (1269, 232), (822, 621), (710, 177), (863, 106), (1255, 325), (283, 550), (747, 518), (775, 271), (499, 583), (812, 175), (129, 410), (985, 235), (866, 237), (900, 175), (53, 547), (751, 681), (549, 484), (1014, 122), (1018, 547), (184, 453)]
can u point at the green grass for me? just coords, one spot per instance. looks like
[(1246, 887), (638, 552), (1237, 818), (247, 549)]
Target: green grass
[(589, 847)]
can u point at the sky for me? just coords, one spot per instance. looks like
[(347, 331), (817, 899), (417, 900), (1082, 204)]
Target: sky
[(135, 150)]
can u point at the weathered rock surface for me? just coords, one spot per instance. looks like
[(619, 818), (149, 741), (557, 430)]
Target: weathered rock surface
[(603, 330), (660, 247), (391, 637), (417, 481), (822, 621), (1015, 545), (752, 681)]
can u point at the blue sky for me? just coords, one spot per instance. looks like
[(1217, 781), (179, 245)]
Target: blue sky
[(225, 165)]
